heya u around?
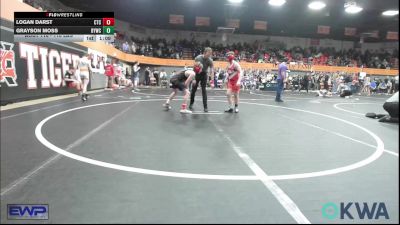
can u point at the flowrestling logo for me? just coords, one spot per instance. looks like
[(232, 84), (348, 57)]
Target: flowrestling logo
[(350, 210)]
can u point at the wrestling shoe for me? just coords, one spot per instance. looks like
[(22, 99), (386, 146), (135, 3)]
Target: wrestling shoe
[(230, 110), (185, 111), (167, 106)]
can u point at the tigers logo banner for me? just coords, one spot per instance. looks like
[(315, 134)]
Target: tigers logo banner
[(34, 70), (8, 74)]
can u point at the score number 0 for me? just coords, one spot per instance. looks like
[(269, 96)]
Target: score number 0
[(108, 21)]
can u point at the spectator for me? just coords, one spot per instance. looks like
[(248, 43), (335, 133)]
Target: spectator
[(163, 74), (109, 72), (133, 48), (125, 47), (147, 76), (254, 52), (390, 85), (382, 87), (373, 86), (135, 76), (156, 75), (117, 73), (306, 82), (366, 86), (281, 79)]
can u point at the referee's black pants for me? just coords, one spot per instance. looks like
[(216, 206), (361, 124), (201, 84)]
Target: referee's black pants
[(201, 77)]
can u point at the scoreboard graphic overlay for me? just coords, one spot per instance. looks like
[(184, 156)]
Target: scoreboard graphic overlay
[(63, 26)]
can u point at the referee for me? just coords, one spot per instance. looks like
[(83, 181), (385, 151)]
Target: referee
[(206, 61)]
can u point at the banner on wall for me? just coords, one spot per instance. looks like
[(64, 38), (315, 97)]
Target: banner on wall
[(33, 70), (8, 73), (392, 35), (202, 21), (176, 19), (233, 23), (260, 25), (323, 29), (350, 31)]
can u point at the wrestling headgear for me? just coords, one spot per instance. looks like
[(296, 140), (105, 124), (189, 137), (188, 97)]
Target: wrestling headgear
[(230, 56)]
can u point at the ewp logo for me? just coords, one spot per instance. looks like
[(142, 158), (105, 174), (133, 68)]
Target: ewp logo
[(28, 212), (331, 210)]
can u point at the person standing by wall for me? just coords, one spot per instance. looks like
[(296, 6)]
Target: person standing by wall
[(282, 68), (83, 70), (147, 76), (306, 82), (366, 87), (109, 72), (216, 76), (117, 73), (163, 78), (135, 76), (156, 75)]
